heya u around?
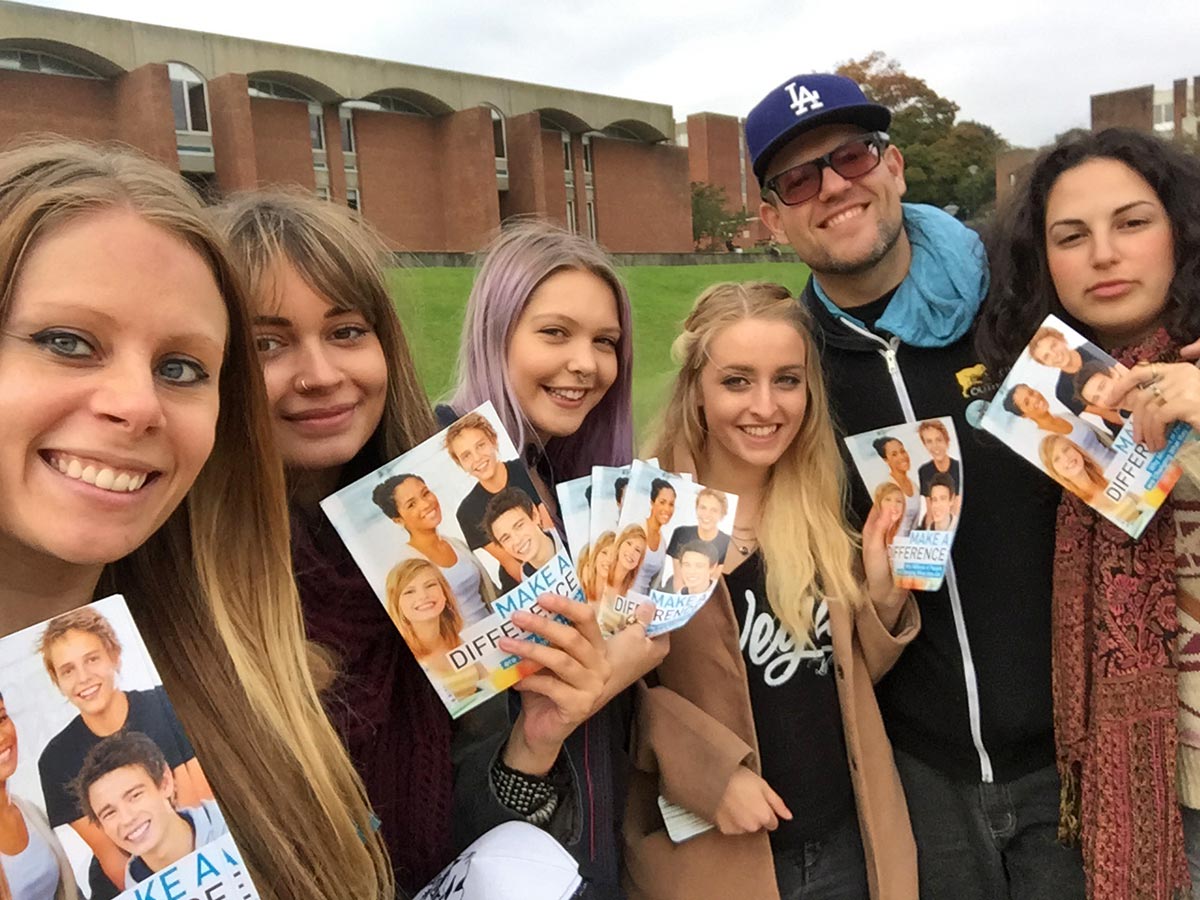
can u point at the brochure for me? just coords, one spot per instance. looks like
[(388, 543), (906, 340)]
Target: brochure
[(914, 474), (453, 539), (1054, 410), (131, 812), (575, 510), (689, 526)]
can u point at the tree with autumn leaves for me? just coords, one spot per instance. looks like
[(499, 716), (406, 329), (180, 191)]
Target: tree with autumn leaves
[(948, 163)]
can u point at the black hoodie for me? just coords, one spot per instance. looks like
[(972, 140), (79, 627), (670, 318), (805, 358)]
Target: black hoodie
[(970, 696)]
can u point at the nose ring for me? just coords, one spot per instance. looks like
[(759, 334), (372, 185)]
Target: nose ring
[(303, 386)]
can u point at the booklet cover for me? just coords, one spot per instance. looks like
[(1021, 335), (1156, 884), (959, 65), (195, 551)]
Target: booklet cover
[(131, 811), (914, 474), (1054, 410), (453, 539), (609, 484), (575, 510), (671, 541)]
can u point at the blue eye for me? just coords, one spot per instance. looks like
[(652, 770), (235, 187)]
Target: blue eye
[(182, 371), (64, 343)]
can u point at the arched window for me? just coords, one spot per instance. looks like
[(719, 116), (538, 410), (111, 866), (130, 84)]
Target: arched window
[(260, 87), (499, 135), (44, 63), (621, 133), (189, 98), (402, 105)]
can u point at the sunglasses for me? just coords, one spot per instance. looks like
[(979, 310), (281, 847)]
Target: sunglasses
[(852, 159)]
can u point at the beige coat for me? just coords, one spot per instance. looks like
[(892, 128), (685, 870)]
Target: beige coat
[(696, 727)]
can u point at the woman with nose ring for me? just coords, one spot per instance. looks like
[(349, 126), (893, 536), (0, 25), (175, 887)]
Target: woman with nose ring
[(548, 339)]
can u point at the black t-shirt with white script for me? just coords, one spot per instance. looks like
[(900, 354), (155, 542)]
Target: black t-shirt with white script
[(793, 694)]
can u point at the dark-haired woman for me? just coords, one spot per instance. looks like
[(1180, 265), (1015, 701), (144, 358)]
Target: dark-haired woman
[(345, 398), (1105, 234)]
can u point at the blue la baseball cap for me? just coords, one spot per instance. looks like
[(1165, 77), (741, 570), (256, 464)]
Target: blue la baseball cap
[(802, 103)]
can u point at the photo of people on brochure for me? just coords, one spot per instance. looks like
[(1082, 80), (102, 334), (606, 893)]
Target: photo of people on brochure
[(575, 510), (111, 797), (1056, 409), (671, 540), (451, 583), (913, 472), (609, 484)]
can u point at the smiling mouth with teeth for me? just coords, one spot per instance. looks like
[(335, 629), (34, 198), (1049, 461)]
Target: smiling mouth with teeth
[(850, 213), (760, 430), (106, 478), (571, 394), (137, 833)]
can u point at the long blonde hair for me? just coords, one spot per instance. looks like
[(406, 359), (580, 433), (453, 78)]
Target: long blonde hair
[(881, 491), (807, 547), (593, 590), (1091, 469), (629, 531), (450, 622), (212, 589), (339, 256)]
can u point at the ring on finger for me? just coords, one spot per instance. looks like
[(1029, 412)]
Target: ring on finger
[(1158, 394)]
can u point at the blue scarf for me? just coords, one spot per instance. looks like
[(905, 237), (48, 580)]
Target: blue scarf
[(937, 301)]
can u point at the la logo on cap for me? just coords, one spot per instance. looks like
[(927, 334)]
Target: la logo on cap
[(803, 100)]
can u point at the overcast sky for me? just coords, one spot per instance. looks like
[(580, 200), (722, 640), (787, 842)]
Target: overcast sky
[(1025, 67)]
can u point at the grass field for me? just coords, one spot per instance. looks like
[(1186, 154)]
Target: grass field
[(431, 303)]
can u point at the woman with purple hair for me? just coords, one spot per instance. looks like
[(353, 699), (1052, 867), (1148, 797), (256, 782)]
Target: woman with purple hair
[(548, 339)]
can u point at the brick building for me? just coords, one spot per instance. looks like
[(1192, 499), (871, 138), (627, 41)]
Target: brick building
[(717, 155), (1168, 112), (434, 159)]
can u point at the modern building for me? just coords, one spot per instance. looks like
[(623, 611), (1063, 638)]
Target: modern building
[(717, 155), (1169, 112), (434, 159)]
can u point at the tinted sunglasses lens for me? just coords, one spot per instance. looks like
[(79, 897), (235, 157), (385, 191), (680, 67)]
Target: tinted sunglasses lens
[(798, 184), (853, 160)]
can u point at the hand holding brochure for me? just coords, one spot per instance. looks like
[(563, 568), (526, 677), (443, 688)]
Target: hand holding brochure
[(671, 540), (914, 474), (434, 531), (137, 789), (1054, 410)]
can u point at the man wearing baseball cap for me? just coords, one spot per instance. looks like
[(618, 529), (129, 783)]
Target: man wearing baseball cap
[(894, 291)]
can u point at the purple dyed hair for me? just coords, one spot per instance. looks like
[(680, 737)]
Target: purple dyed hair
[(520, 259)]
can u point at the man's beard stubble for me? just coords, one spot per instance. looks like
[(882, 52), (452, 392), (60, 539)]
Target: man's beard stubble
[(887, 240)]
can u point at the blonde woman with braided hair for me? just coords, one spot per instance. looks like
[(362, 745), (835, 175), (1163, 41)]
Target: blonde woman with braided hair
[(784, 751), (137, 457)]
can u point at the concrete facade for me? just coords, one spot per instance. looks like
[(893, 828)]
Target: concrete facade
[(413, 148)]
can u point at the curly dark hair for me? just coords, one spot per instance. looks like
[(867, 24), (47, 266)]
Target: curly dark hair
[(384, 494), (1022, 293), (657, 486)]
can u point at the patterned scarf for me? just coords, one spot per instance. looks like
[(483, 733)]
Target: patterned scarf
[(1115, 694)]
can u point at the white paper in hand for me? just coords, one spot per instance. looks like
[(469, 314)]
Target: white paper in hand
[(513, 861)]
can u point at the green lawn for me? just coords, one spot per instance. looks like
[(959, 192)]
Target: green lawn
[(431, 303)]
